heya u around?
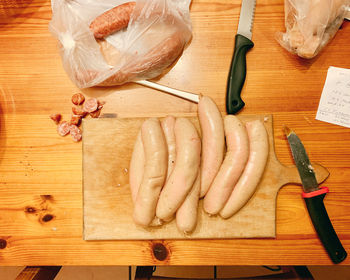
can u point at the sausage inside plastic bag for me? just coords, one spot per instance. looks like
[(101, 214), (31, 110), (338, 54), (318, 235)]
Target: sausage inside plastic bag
[(311, 24), (155, 36)]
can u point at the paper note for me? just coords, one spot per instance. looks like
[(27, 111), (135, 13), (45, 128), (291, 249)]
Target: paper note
[(334, 106)]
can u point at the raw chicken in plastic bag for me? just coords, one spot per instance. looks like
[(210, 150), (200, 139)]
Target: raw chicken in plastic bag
[(112, 42), (311, 24)]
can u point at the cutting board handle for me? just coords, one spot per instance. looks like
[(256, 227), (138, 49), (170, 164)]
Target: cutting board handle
[(290, 175)]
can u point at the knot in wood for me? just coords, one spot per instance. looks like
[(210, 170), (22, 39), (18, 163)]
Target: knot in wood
[(160, 252), (30, 210), (3, 243), (47, 218)]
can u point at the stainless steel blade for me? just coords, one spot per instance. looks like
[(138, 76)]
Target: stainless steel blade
[(246, 18), (302, 162)]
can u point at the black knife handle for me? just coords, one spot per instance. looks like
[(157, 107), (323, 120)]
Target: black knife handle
[(324, 228), (237, 74)]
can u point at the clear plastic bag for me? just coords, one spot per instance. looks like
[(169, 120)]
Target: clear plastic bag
[(311, 24), (155, 37)]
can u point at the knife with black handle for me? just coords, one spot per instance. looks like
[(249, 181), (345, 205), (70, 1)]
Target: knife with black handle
[(313, 196), (323, 225), (243, 43)]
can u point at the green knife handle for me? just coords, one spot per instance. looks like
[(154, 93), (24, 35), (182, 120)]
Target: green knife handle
[(237, 74), (324, 228)]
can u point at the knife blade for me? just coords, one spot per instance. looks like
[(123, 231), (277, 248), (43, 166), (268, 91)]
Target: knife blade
[(313, 196), (243, 43)]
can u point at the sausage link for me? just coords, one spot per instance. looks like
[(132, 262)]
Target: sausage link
[(232, 167), (180, 182), (112, 20), (249, 180), (186, 215), (168, 125), (213, 141), (136, 168), (158, 58), (156, 159)]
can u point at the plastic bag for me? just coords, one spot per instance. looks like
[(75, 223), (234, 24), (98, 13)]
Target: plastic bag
[(155, 37), (311, 24)]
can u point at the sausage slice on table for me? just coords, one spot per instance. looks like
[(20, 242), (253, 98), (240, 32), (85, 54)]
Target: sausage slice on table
[(231, 169), (180, 182), (249, 180), (213, 141), (63, 128), (75, 132), (156, 161), (90, 105)]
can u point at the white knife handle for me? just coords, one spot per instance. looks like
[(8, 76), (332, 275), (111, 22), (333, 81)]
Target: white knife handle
[(183, 94)]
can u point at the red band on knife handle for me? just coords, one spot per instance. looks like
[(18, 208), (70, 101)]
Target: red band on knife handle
[(322, 190)]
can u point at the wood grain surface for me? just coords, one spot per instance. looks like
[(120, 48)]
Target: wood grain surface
[(108, 207), (41, 172)]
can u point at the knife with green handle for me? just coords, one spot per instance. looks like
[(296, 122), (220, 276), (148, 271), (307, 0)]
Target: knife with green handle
[(238, 67), (313, 196)]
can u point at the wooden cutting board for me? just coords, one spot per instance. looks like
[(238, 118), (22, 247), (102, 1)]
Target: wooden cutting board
[(107, 148)]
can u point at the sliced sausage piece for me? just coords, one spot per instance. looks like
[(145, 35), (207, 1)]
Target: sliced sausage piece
[(63, 128), (75, 132), (75, 119), (95, 114), (180, 182), (112, 20), (253, 171), (231, 169), (90, 105), (56, 118), (168, 125), (78, 99), (186, 215), (100, 104), (78, 111), (213, 141), (156, 160), (136, 168)]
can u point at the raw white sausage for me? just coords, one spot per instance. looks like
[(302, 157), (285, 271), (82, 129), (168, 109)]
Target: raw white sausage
[(136, 168), (168, 125), (231, 169), (180, 182), (213, 141), (156, 160), (246, 185), (186, 215)]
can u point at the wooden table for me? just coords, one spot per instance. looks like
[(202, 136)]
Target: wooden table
[(41, 173)]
